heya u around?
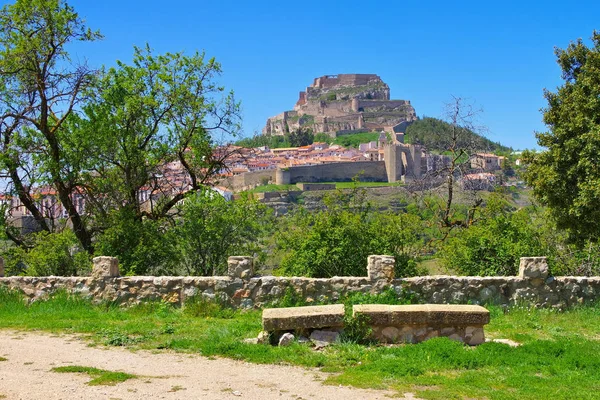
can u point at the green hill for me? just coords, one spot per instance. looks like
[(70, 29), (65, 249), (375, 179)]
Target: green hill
[(435, 135)]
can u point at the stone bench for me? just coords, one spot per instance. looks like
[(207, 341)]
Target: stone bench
[(303, 318), (416, 323)]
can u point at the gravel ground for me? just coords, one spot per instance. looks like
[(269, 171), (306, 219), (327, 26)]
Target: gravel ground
[(27, 375)]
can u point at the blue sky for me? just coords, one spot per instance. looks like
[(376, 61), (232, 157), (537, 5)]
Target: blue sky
[(498, 54)]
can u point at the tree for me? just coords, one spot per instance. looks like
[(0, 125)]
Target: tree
[(336, 241), (211, 229), (149, 136), (460, 143), (40, 87), (494, 244), (137, 138), (301, 137), (565, 176)]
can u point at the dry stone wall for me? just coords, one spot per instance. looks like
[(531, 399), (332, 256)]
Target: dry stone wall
[(241, 289)]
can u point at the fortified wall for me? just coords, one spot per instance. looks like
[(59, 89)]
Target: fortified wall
[(343, 102), (240, 288)]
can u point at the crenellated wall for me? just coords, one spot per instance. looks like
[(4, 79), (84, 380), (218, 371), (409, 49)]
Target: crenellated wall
[(241, 289)]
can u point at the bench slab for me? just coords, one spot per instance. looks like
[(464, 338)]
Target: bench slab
[(310, 317), (417, 323), (423, 314)]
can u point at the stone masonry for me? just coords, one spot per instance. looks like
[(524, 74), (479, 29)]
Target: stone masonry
[(242, 290), (344, 103)]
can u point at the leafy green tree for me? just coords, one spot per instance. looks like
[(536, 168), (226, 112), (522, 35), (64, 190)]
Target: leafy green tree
[(150, 135), (301, 137), (146, 247), (338, 239), (147, 136), (40, 87), (211, 229), (495, 243), (565, 176)]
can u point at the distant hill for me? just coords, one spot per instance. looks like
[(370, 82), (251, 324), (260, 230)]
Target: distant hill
[(435, 135)]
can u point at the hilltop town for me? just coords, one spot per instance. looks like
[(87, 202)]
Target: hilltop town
[(344, 103), (338, 105)]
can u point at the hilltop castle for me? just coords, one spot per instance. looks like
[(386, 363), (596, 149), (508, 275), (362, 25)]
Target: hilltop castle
[(344, 103)]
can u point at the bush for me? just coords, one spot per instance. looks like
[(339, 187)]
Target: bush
[(336, 241), (48, 254)]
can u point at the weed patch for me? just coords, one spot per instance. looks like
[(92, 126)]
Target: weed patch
[(99, 376)]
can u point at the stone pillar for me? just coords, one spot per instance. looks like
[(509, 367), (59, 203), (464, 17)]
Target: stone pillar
[(381, 268), (105, 267), (534, 269), (282, 177), (240, 267), (1, 267)]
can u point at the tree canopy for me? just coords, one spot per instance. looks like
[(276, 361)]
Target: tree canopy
[(566, 175)]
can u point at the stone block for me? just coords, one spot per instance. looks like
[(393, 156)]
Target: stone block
[(423, 314), (286, 339), (324, 336), (105, 267), (381, 268), (240, 267), (310, 317), (533, 268)]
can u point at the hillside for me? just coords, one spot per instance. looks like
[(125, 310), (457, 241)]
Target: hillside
[(435, 135)]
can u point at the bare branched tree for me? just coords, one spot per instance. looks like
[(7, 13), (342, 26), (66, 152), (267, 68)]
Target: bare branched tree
[(447, 177)]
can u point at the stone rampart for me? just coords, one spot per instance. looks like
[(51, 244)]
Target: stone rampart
[(249, 180), (369, 171), (241, 289)]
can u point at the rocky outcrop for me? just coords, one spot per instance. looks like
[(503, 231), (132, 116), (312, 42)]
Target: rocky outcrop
[(344, 102)]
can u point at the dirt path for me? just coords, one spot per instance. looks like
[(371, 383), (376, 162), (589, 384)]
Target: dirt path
[(30, 357)]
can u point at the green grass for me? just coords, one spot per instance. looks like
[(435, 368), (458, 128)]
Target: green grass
[(3, 359), (338, 185), (99, 376), (355, 139), (351, 185), (559, 357), (274, 188)]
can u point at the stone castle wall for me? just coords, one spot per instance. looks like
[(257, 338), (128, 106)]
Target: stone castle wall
[(241, 289), (249, 180), (369, 171)]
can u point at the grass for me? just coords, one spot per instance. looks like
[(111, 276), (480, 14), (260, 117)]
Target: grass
[(274, 188), (99, 376), (3, 359), (338, 185), (559, 357)]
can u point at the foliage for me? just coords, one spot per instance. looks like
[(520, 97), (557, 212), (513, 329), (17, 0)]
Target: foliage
[(338, 239), (323, 137), (140, 122), (40, 87), (494, 244), (426, 131), (142, 247), (565, 177), (270, 141), (301, 137), (157, 115), (47, 254), (211, 229), (355, 139)]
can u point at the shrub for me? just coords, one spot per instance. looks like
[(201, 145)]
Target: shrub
[(48, 254)]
